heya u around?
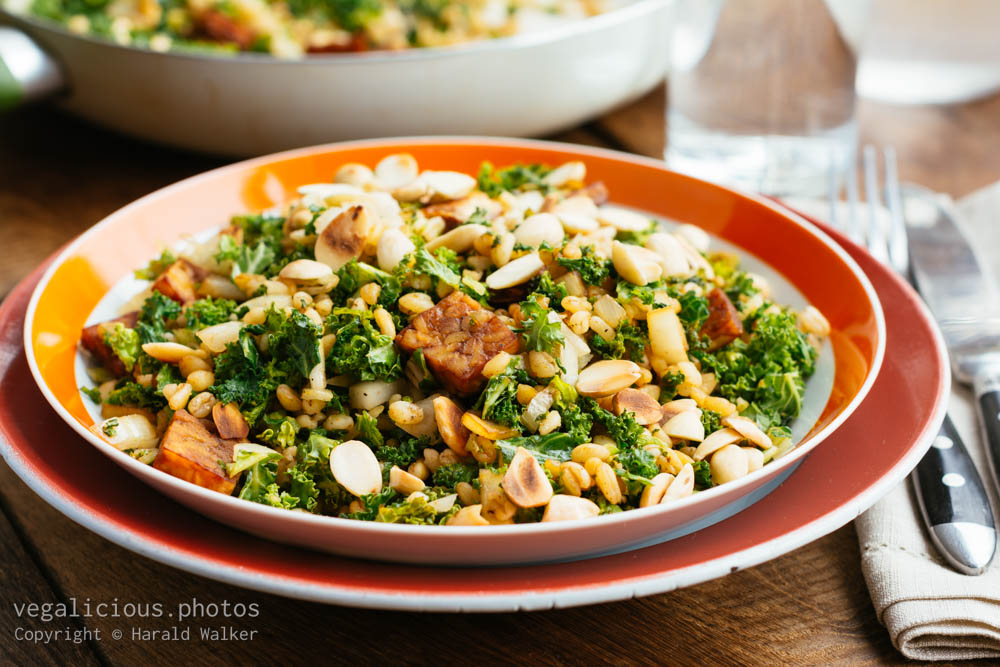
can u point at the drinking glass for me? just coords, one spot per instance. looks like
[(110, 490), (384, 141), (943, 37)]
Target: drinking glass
[(761, 94)]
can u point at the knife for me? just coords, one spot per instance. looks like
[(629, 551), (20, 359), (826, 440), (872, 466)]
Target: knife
[(966, 305)]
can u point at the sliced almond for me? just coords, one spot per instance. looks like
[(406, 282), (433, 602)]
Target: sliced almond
[(686, 426), (393, 246), (487, 429), (716, 441), (444, 503), (666, 335), (344, 238), (755, 458), (403, 482), (515, 272), (653, 494), (448, 185), (448, 417), (229, 421), (538, 229), (671, 254), (306, 271), (729, 464), (367, 395), (132, 431), (220, 287), (169, 353), (623, 219), (525, 482), (748, 429), (696, 236), (645, 408), (468, 516), (218, 336), (682, 486), (668, 410), (577, 224), (459, 239), (355, 468), (637, 265), (279, 301), (324, 191), (354, 174), (396, 170), (570, 172), (604, 378), (566, 508)]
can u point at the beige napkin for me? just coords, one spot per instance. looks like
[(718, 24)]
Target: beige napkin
[(931, 611)]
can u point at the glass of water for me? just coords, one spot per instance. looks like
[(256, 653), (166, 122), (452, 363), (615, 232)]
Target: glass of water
[(761, 94)]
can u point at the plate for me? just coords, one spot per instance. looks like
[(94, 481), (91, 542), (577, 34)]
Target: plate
[(832, 486), (827, 277)]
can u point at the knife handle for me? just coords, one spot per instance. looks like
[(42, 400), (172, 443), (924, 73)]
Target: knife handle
[(954, 503), (988, 401)]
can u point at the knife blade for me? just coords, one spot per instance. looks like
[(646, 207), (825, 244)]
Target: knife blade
[(964, 300)]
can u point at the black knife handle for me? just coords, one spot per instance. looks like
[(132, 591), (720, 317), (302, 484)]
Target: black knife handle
[(950, 488), (989, 413)]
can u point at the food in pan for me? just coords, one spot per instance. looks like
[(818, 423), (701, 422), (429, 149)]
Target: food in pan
[(293, 28), (433, 347)]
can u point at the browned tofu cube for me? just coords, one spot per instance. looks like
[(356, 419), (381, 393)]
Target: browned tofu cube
[(458, 211), (723, 324), (92, 338), (458, 337), (179, 281), (190, 451)]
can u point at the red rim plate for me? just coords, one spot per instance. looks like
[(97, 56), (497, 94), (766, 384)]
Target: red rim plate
[(838, 481)]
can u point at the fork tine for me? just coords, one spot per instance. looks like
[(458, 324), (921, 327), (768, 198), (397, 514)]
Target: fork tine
[(876, 241), (834, 192), (853, 215), (898, 251)]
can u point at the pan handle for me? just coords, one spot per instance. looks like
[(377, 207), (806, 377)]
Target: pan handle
[(27, 72)]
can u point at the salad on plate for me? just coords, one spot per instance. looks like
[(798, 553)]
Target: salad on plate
[(437, 347)]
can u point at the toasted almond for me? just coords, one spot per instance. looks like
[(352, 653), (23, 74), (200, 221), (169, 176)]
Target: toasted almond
[(637, 265), (355, 468), (448, 185), (396, 170), (487, 429), (468, 516), (403, 482), (666, 335), (566, 508), (525, 482), (653, 494), (623, 219), (755, 459), (426, 426), (716, 441), (639, 403), (538, 229), (570, 172), (728, 464), (682, 486), (749, 430), (515, 272), (696, 236), (279, 301), (344, 239), (459, 239), (325, 191), (218, 336), (673, 408), (354, 174), (306, 271), (448, 417), (672, 258), (686, 426), (393, 246), (229, 421), (170, 353), (604, 378)]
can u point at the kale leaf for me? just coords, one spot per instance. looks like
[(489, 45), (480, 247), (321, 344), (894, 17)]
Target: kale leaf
[(494, 181), (208, 311), (592, 269)]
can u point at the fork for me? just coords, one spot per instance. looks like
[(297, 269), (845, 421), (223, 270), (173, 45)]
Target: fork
[(884, 235)]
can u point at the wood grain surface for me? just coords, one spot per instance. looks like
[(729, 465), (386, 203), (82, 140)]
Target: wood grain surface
[(59, 175)]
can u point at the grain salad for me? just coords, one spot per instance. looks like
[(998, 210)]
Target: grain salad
[(435, 347), (294, 28)]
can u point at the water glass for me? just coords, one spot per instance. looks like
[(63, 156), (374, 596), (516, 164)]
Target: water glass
[(761, 94)]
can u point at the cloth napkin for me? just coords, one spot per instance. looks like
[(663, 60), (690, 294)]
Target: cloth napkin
[(931, 611)]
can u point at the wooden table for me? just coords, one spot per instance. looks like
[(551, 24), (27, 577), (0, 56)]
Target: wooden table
[(58, 176)]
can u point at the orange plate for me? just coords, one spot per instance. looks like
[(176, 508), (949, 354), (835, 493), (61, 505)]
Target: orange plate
[(804, 255)]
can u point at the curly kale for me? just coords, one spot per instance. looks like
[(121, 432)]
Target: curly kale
[(540, 333), (711, 420), (629, 342), (593, 270), (361, 350), (156, 267), (450, 475), (494, 181), (498, 401), (702, 475), (208, 311), (125, 343)]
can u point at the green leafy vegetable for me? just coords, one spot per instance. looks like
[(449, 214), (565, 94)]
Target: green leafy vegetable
[(498, 400), (354, 275), (125, 344), (208, 311), (368, 430), (110, 427), (372, 504), (592, 269), (494, 181), (450, 475), (702, 475), (361, 350), (629, 342), (555, 292), (441, 266), (156, 311), (556, 446), (638, 238), (93, 393), (248, 455), (134, 394), (157, 266), (539, 333), (711, 420)]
